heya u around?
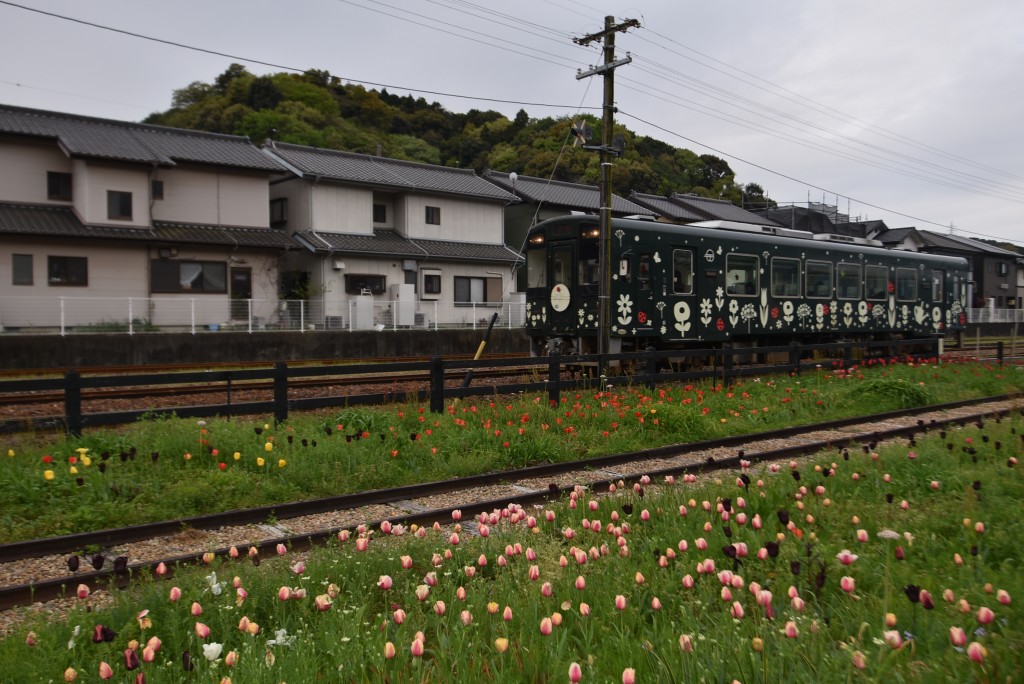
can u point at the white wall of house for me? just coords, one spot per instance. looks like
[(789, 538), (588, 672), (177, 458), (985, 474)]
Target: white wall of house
[(462, 220), (340, 209), (91, 181), (299, 203), (23, 167), (209, 196)]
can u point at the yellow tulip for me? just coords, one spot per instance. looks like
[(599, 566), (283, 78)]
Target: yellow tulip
[(74, 470), (86, 461), (281, 463), (237, 456), (10, 453), (188, 457), (49, 474), (260, 461), (269, 446)]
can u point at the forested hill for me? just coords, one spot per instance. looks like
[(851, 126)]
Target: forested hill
[(317, 109)]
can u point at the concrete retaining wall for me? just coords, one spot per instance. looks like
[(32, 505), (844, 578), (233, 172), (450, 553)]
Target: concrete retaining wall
[(79, 351)]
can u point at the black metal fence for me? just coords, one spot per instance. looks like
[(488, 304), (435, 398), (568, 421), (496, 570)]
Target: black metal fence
[(549, 374)]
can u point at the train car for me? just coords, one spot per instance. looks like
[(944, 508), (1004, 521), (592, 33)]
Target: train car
[(700, 285)]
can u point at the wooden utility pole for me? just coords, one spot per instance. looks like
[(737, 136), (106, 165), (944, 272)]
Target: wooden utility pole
[(607, 151)]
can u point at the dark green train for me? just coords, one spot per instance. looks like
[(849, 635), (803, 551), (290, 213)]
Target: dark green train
[(700, 285)]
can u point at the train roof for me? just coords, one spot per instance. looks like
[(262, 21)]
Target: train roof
[(759, 235)]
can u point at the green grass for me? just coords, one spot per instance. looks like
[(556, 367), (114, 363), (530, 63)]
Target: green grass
[(958, 532), (165, 468)]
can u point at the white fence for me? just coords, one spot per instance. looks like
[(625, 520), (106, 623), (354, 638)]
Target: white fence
[(132, 315), (987, 315)]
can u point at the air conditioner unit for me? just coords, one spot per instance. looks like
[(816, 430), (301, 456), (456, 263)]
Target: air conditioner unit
[(337, 264)]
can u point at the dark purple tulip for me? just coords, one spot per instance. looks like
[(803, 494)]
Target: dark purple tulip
[(795, 474), (627, 508), (102, 467), (794, 567), (772, 548), (913, 592), (186, 661), (97, 561), (784, 517), (105, 455), (729, 550), (727, 505), (73, 562), (131, 660), (727, 531), (154, 456), (121, 564)]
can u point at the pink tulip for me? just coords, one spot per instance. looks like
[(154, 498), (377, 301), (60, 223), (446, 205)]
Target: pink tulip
[(299, 568), (791, 630), (985, 615), (399, 616), (976, 652), (466, 617), (1003, 597), (584, 609), (847, 584), (620, 602), (685, 643), (862, 536), (546, 589), (231, 659), (385, 582), (726, 594), (629, 676), (284, 593), (797, 603), (70, 674), (893, 638), (197, 609), (161, 569), (439, 607), (362, 544), (344, 535), (545, 626), (83, 591), (175, 594), (860, 661), (460, 593), (154, 643), (575, 673), (417, 648), (457, 515), (737, 610), (322, 602), (957, 636), (202, 631), (507, 614), (688, 582), (454, 539), (148, 655), (701, 544), (389, 650), (106, 672), (846, 558), (422, 592), (281, 549)]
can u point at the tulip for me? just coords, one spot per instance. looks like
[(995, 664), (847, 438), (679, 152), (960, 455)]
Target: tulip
[(685, 643), (501, 644), (197, 609), (399, 616), (422, 592), (417, 648), (736, 610), (212, 651), (148, 655), (629, 676), (545, 626), (299, 568), (655, 603), (1003, 597), (231, 658), (202, 631), (322, 602), (957, 636), (439, 607), (389, 650), (791, 630), (860, 661), (284, 593), (976, 652), (466, 617), (620, 602), (688, 582), (985, 615), (893, 638), (106, 672), (846, 558), (584, 609), (507, 614), (546, 589), (70, 674), (890, 620), (385, 582), (847, 584), (575, 673)]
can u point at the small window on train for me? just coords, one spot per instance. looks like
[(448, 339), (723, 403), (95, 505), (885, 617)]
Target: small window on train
[(589, 264), (741, 271), (682, 271), (536, 268), (785, 277), (561, 266), (906, 284), (643, 272), (819, 279), (848, 281), (938, 284), (876, 283), (624, 270)]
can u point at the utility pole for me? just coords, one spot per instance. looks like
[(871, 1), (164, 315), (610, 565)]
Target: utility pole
[(607, 151)]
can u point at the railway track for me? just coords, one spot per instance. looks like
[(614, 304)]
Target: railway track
[(133, 552)]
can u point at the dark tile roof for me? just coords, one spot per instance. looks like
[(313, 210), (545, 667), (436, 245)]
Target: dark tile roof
[(798, 218), (964, 244), (894, 236), (720, 210), (89, 137), (663, 206), (381, 172), (575, 196), (57, 221), (391, 244)]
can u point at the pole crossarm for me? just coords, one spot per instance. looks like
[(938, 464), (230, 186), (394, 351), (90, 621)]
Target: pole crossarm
[(608, 29)]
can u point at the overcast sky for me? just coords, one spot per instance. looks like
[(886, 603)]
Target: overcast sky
[(906, 111)]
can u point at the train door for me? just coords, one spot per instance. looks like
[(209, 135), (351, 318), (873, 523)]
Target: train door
[(561, 269), (680, 295), (641, 274)]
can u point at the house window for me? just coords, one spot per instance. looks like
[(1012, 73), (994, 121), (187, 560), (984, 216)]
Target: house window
[(1004, 269), (278, 212), (359, 283), (848, 281), (157, 189), (785, 277), (741, 274), (434, 216), (58, 186), (119, 205), (188, 276), (876, 283), (818, 279), (431, 283), (906, 284), (21, 268), (380, 213), (70, 271), (477, 290)]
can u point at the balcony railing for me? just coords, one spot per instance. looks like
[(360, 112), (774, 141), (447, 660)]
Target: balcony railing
[(986, 315), (135, 315)]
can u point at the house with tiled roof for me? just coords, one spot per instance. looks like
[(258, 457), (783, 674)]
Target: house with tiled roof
[(117, 221), (392, 242)]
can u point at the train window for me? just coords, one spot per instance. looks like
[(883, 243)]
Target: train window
[(937, 284), (741, 271), (906, 284), (589, 264), (643, 272), (561, 266), (536, 268), (848, 281), (785, 277), (682, 271), (818, 279), (876, 283)]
